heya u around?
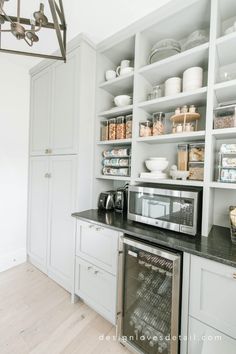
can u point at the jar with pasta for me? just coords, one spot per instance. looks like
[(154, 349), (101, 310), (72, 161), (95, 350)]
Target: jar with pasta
[(145, 128), (128, 132), (158, 123), (112, 129), (104, 130), (120, 128)]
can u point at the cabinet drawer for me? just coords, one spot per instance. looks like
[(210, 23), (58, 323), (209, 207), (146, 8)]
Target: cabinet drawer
[(213, 294), (206, 340), (97, 288), (97, 245)]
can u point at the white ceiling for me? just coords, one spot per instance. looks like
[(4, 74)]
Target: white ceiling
[(97, 18)]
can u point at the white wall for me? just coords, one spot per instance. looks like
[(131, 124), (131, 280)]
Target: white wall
[(14, 118)]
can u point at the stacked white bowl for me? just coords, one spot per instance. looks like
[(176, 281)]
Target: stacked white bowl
[(192, 79), (173, 86)]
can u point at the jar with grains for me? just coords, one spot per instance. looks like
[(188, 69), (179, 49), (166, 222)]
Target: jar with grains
[(112, 129), (197, 152), (120, 128), (196, 171), (129, 120), (104, 130), (183, 157), (145, 128), (158, 123)]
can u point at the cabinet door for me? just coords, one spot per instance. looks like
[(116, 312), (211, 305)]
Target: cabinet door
[(41, 85), (206, 340), (97, 288), (38, 211), (62, 225), (65, 101), (98, 245), (212, 294)]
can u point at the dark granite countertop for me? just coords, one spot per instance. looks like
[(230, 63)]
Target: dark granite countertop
[(217, 246)]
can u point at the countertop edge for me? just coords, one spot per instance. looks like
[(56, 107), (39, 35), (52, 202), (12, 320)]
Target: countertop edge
[(160, 242)]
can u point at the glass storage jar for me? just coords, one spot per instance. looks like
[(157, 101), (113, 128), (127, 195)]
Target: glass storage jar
[(196, 152), (145, 128), (120, 128), (183, 157), (158, 123), (112, 129), (157, 91), (196, 171), (225, 117), (128, 131), (104, 130)]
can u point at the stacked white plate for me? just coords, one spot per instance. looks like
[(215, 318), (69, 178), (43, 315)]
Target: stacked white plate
[(192, 78)]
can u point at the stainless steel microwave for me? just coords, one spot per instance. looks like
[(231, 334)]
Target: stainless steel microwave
[(166, 207)]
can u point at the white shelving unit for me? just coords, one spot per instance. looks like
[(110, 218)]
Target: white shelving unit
[(135, 43)]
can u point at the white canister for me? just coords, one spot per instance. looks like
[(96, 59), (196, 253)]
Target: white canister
[(192, 78), (173, 86)]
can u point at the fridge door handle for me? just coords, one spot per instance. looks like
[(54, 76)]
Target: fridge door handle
[(119, 308)]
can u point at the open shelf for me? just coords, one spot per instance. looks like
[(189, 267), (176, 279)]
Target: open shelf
[(173, 138), (197, 97), (221, 185), (225, 49), (116, 111), (170, 181), (114, 178), (226, 133), (226, 91), (119, 85), (115, 142), (176, 64)]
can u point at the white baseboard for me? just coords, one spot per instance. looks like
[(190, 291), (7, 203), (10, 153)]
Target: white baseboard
[(12, 259)]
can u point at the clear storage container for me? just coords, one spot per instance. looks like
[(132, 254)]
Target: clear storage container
[(196, 171), (120, 128), (112, 129), (128, 132), (104, 130), (225, 117), (158, 127), (196, 152), (183, 157), (145, 128)]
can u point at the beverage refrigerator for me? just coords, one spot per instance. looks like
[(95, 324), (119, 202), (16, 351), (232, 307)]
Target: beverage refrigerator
[(149, 298)]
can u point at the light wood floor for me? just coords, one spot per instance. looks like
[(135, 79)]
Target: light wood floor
[(36, 317)]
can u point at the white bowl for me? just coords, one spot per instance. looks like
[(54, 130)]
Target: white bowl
[(158, 158), (122, 100), (156, 165)]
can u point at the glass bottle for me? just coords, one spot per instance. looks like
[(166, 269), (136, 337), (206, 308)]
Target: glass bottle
[(129, 120), (104, 130), (158, 123), (120, 128)]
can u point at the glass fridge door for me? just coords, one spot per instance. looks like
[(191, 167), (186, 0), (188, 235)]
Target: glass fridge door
[(150, 298)]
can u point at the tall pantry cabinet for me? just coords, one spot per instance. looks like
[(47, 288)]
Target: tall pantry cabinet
[(61, 157)]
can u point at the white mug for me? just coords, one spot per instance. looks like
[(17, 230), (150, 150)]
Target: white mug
[(124, 64), (126, 71), (110, 75)]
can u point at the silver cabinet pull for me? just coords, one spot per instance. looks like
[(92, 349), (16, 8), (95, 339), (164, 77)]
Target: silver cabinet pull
[(91, 226), (98, 228), (89, 267), (47, 175), (96, 272)]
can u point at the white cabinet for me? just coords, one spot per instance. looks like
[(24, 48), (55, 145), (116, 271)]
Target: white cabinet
[(38, 211), (64, 105), (41, 96), (206, 340), (96, 261), (54, 108), (62, 226), (97, 288), (61, 127), (51, 227), (212, 294)]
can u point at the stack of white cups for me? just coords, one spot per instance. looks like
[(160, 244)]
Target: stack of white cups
[(192, 79), (173, 86)]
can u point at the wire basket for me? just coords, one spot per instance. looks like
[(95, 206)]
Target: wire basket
[(232, 217)]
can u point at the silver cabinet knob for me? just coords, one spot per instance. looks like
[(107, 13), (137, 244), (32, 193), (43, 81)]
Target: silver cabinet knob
[(96, 272), (47, 175), (89, 267)]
